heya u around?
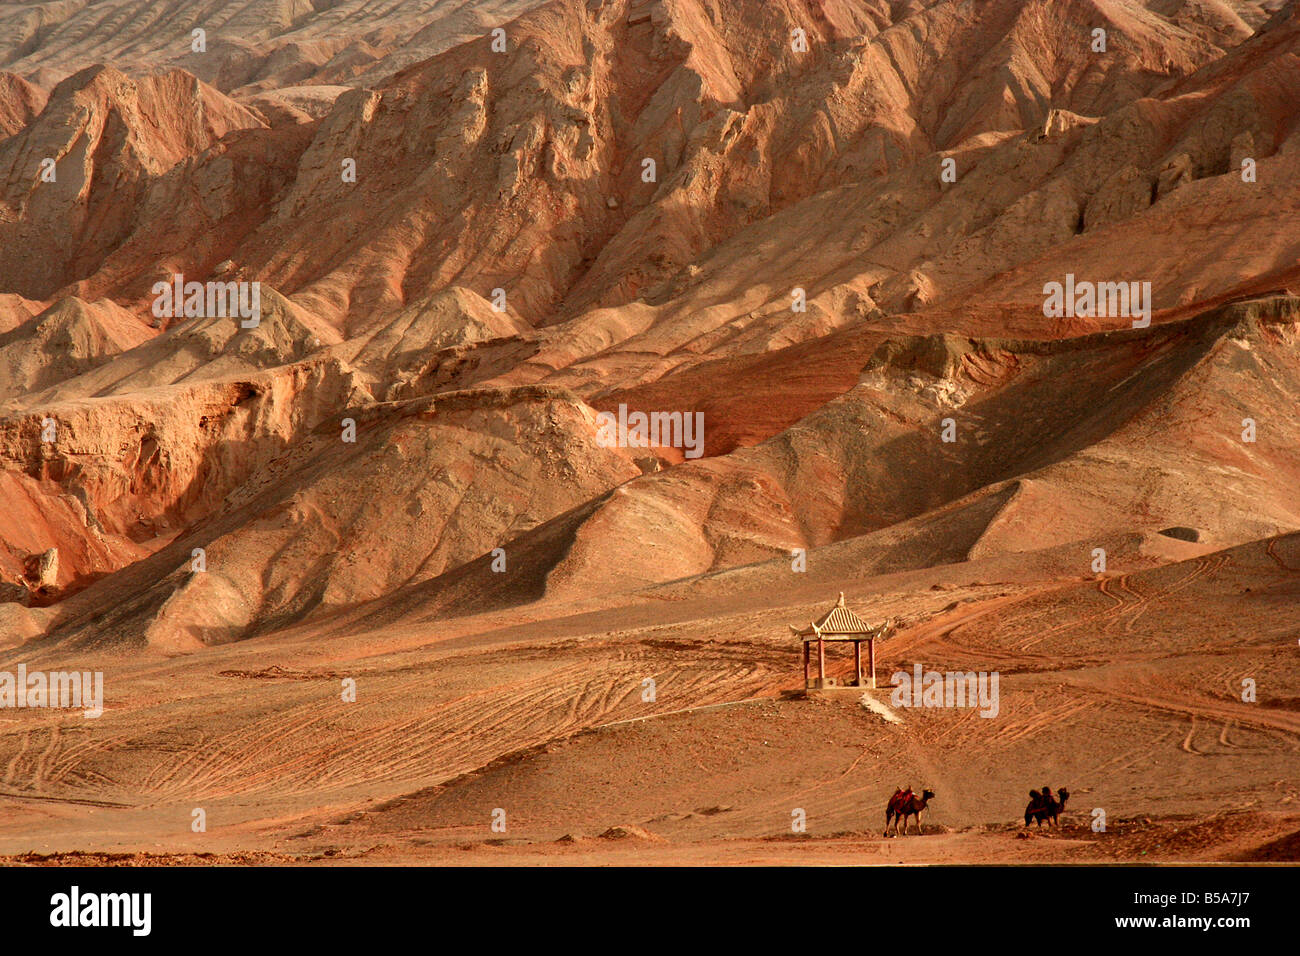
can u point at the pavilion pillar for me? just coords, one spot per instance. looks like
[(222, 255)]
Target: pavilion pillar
[(857, 663), (807, 653), (871, 652), (821, 660)]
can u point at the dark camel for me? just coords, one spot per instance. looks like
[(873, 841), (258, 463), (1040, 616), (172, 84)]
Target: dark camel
[(1045, 806)]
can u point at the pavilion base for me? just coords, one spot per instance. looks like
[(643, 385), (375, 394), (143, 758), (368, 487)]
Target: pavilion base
[(822, 683), (830, 687)]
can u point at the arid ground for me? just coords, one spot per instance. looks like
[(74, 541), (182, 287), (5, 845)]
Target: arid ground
[(367, 581)]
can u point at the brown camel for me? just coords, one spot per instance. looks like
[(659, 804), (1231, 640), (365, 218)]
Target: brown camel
[(905, 804)]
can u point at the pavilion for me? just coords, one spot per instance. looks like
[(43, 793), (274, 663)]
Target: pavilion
[(840, 624)]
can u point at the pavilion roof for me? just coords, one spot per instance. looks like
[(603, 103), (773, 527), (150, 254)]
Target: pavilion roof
[(839, 621)]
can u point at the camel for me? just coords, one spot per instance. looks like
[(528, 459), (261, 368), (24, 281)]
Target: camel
[(1045, 806), (904, 804)]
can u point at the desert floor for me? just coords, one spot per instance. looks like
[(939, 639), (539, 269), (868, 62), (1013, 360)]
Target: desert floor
[(1122, 688)]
